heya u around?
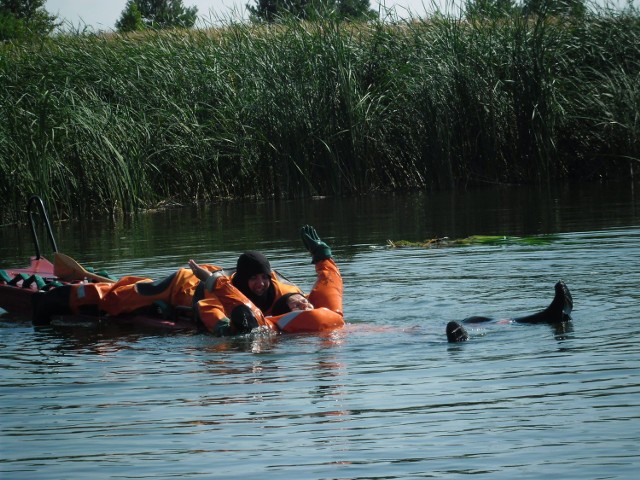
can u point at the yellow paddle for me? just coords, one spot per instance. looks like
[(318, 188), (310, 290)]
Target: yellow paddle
[(66, 268)]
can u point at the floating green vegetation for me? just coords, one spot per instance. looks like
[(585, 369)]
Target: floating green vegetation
[(474, 240)]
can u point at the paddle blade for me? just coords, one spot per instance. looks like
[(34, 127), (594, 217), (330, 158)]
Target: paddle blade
[(67, 269)]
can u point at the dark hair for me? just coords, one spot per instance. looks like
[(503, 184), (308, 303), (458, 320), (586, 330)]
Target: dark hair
[(250, 264)]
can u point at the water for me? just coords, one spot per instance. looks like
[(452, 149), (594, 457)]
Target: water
[(387, 397)]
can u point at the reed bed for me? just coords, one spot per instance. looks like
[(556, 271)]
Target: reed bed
[(117, 123)]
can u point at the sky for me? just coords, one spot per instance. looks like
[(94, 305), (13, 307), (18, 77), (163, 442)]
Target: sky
[(103, 14)]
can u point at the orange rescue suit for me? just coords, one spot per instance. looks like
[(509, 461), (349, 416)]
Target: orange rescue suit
[(222, 297), (326, 297), (131, 293)]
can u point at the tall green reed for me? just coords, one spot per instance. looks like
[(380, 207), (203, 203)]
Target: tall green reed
[(116, 123)]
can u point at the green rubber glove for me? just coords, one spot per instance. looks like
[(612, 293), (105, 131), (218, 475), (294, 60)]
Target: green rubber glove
[(312, 242)]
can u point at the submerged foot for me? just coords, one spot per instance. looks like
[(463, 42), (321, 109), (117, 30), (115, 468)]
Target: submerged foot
[(456, 332), (562, 305)]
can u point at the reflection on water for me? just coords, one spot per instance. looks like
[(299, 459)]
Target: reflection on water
[(164, 239), (386, 397)]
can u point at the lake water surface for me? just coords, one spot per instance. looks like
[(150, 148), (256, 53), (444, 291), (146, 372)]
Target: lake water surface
[(386, 397)]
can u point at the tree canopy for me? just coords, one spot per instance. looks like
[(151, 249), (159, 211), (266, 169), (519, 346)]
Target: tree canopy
[(156, 14), (130, 19), (25, 19), (272, 10)]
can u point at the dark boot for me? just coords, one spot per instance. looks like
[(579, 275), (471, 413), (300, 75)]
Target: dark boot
[(456, 332), (243, 320), (53, 302), (557, 312)]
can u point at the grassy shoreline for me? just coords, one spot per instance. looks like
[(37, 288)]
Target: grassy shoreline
[(110, 123)]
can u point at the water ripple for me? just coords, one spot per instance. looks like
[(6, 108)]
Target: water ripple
[(385, 398)]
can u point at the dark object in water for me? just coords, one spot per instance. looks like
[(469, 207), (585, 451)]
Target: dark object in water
[(558, 311)]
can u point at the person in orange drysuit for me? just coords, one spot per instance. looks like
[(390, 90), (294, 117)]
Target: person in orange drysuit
[(128, 295), (230, 304), (244, 301)]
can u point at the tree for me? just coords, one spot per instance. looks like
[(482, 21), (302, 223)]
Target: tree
[(131, 18), (157, 14), (25, 19), (272, 10), (355, 9)]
